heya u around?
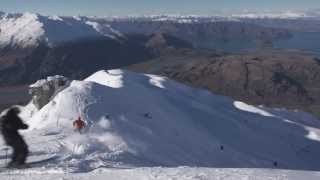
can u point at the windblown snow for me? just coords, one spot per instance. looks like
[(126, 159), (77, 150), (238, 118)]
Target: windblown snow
[(139, 120)]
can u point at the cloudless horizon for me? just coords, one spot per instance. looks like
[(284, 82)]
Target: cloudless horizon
[(140, 7)]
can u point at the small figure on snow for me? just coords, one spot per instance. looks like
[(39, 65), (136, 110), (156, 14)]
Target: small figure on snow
[(275, 164), (79, 124), (10, 124), (147, 115), (221, 147)]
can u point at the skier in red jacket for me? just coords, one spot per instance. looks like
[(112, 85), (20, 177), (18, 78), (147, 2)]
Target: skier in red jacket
[(79, 124)]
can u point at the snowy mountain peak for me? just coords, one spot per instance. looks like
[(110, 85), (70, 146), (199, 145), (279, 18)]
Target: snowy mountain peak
[(55, 18), (29, 30), (148, 120), (78, 18), (110, 78), (24, 30)]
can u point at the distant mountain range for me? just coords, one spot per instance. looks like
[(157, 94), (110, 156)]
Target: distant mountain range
[(34, 46), (29, 30), (232, 32)]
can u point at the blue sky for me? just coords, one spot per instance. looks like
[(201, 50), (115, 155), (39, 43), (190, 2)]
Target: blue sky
[(138, 7)]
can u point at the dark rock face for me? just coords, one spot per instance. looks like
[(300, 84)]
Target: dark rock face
[(18, 66), (79, 59), (82, 58), (276, 78), (74, 59), (161, 40)]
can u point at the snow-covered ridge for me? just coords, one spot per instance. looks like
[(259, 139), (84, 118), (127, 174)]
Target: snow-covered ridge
[(147, 120), (29, 30), (25, 30), (223, 16), (288, 14), (270, 15)]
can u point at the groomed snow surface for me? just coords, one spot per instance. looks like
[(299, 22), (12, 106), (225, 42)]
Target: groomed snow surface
[(159, 173), (148, 127)]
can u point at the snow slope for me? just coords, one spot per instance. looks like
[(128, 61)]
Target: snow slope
[(25, 30), (29, 30), (180, 173), (138, 120)]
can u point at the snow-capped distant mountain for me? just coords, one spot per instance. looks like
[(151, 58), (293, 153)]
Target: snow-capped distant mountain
[(28, 29), (271, 15), (289, 14), (225, 16), (183, 19), (23, 30)]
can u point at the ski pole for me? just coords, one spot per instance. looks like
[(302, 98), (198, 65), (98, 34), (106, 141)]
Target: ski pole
[(6, 156)]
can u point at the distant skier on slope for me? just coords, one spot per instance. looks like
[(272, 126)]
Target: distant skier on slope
[(79, 124), (9, 125)]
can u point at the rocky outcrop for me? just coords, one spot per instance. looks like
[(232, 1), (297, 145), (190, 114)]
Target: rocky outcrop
[(161, 40), (45, 89)]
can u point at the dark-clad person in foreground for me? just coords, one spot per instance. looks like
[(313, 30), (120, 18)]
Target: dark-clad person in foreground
[(10, 123)]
